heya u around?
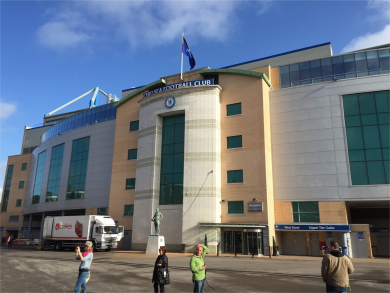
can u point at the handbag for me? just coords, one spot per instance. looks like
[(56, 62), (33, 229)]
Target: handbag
[(163, 277)]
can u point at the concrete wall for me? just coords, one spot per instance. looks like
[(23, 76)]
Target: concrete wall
[(98, 180), (309, 142)]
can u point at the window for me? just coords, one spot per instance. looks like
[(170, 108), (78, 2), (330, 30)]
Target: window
[(306, 212), (235, 176), (130, 183), (7, 188), (18, 203), (367, 121), (134, 125), (53, 184), (235, 207), (172, 160), (233, 109), (13, 219), (129, 210), (39, 177), (78, 168), (132, 154), (102, 211), (234, 142), (24, 166), (21, 184)]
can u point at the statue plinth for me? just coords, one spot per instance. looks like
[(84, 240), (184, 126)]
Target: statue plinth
[(154, 243)]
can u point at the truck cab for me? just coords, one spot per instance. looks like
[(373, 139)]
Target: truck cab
[(106, 234)]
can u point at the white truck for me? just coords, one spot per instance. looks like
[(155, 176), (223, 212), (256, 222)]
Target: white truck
[(72, 231)]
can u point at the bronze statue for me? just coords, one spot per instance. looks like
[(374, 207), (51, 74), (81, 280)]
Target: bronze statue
[(156, 219)]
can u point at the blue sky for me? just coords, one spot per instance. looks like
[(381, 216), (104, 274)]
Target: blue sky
[(53, 51)]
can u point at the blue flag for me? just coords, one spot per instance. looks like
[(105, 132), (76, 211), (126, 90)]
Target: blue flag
[(186, 51)]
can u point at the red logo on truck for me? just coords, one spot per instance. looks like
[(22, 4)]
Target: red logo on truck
[(78, 229), (65, 226)]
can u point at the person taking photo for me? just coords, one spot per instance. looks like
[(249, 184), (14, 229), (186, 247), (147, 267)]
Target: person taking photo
[(86, 260)]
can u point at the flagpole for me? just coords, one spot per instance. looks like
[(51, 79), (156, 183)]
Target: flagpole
[(182, 37)]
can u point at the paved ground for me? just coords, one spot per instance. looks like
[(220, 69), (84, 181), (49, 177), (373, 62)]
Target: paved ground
[(24, 269)]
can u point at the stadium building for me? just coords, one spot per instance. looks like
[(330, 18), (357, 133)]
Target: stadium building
[(291, 149)]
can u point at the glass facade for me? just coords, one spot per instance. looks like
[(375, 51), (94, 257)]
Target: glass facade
[(91, 116), (233, 109), (129, 210), (21, 184), (306, 212), (172, 160), (235, 176), (339, 67), (24, 166), (39, 178), (134, 125), (235, 207), (78, 168), (234, 142), (102, 211), (7, 188), (132, 154), (130, 183), (367, 122), (18, 203), (53, 184)]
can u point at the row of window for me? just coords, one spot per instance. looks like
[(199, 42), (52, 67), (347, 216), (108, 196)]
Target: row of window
[(339, 67), (128, 210), (7, 188)]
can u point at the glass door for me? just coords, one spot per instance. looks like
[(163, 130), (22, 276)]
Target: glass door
[(237, 241), (253, 241), (228, 242)]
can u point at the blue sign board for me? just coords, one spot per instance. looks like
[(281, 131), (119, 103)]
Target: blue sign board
[(1, 228), (180, 85), (380, 230), (314, 227), (32, 228)]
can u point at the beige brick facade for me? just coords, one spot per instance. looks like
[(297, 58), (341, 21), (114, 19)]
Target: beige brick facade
[(283, 212), (333, 212), (15, 192)]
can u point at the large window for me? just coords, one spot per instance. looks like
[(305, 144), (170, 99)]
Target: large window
[(339, 67), (78, 168), (53, 184), (172, 160), (235, 176), (7, 188), (24, 166), (132, 154), (39, 178), (21, 184), (367, 119), (129, 210), (235, 207), (134, 125), (234, 142), (13, 219), (233, 109), (306, 212), (130, 183)]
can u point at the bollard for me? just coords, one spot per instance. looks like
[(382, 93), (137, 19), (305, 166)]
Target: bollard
[(253, 250), (270, 254), (218, 250)]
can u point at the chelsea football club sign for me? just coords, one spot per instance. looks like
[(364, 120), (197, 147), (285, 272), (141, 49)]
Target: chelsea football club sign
[(193, 83), (170, 102)]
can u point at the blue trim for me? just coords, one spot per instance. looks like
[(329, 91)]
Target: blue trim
[(39, 127), (313, 227), (133, 88), (1, 228), (272, 56), (380, 230)]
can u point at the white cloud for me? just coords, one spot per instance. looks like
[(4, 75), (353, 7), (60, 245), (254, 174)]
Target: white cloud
[(369, 40), (6, 109), (141, 23), (382, 15)]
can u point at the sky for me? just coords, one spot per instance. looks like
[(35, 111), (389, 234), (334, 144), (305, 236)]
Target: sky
[(54, 51)]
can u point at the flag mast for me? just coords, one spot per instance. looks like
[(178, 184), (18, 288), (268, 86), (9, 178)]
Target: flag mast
[(182, 38)]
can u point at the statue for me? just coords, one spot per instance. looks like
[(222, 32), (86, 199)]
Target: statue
[(156, 219)]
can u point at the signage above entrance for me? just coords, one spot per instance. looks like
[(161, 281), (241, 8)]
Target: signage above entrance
[(193, 83), (255, 206), (380, 230), (315, 227)]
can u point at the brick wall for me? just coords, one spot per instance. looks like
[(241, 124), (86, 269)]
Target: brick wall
[(333, 212)]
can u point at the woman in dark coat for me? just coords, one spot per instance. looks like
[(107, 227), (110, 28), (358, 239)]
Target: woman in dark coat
[(160, 267)]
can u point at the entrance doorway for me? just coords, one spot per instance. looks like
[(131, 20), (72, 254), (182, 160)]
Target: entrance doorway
[(315, 244), (232, 241), (359, 244), (253, 241)]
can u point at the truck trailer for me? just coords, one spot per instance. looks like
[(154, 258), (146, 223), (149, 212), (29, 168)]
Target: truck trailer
[(72, 231)]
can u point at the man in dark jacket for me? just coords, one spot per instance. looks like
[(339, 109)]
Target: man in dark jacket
[(335, 269)]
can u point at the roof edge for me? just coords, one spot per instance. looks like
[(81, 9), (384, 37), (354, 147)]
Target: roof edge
[(236, 72), (138, 91)]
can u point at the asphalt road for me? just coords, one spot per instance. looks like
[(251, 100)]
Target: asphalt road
[(27, 270)]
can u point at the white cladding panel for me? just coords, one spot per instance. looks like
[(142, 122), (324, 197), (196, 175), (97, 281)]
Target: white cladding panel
[(309, 144)]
